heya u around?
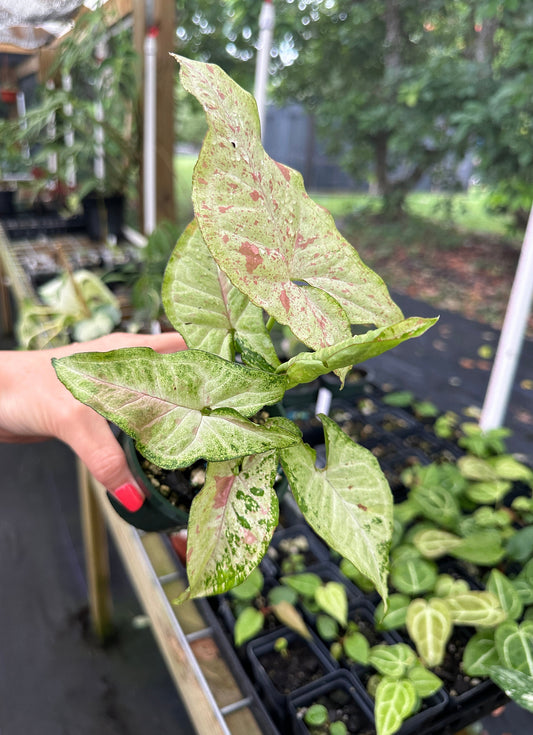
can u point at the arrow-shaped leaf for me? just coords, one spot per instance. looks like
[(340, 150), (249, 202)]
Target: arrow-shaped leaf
[(275, 243), (206, 309), (348, 503), (231, 523), (429, 623), (395, 702), (177, 407), (479, 608), (306, 366), (514, 643)]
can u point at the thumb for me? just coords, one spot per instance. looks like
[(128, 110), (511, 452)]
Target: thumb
[(103, 456)]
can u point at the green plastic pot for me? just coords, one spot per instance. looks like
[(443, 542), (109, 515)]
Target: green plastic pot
[(156, 513)]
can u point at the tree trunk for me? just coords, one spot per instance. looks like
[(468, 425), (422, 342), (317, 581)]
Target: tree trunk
[(392, 195)]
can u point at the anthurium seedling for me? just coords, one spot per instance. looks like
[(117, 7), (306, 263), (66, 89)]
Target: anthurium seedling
[(258, 252), (318, 721), (400, 685)]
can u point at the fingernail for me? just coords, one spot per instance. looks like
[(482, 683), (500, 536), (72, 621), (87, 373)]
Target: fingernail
[(130, 496)]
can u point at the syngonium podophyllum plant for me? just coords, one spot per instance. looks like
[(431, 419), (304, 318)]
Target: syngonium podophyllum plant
[(259, 251)]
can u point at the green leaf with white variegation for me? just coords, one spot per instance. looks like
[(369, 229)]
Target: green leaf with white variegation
[(447, 585), (517, 686), (509, 468), (231, 523), (477, 469), (433, 543), (508, 597), (306, 366), (395, 702), (348, 503), (425, 682), (488, 493), (514, 643), (333, 600), (392, 660), (205, 307), (480, 547), (266, 233), (478, 608), (480, 653), (180, 407), (430, 624), (396, 614), (413, 576)]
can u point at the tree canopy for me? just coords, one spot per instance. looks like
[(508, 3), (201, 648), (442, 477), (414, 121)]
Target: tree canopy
[(397, 88)]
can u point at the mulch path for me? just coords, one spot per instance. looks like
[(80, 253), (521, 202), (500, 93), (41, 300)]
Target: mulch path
[(474, 279)]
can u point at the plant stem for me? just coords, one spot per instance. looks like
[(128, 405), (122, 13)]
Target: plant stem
[(270, 323)]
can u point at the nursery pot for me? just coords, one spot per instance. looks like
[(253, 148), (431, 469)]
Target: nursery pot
[(7, 203), (341, 694), (101, 213), (157, 513)]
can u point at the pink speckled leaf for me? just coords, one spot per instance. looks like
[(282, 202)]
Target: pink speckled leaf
[(276, 245), (231, 523), (206, 308), (348, 503)]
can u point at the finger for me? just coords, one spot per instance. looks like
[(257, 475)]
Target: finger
[(96, 446)]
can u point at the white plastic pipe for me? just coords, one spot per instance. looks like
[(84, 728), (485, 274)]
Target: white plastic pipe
[(99, 155), (51, 133), (66, 82), (511, 339), (149, 141), (21, 114), (267, 20)]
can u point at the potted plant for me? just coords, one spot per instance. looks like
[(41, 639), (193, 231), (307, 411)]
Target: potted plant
[(258, 245), (86, 109)]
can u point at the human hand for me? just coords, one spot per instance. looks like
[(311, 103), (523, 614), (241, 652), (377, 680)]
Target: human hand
[(34, 406)]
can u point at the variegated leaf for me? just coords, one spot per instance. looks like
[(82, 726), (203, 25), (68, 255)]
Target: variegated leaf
[(231, 523), (476, 607), (205, 307), (348, 503), (392, 660), (429, 623), (514, 643), (517, 686), (179, 407), (395, 702), (504, 590), (480, 653), (413, 575), (275, 244), (425, 682), (433, 543), (306, 366)]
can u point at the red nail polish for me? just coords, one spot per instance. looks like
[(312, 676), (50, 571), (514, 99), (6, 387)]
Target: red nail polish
[(130, 496)]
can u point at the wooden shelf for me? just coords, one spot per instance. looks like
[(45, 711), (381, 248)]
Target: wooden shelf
[(217, 702)]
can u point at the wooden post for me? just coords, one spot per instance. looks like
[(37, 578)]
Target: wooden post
[(165, 18), (96, 557)]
